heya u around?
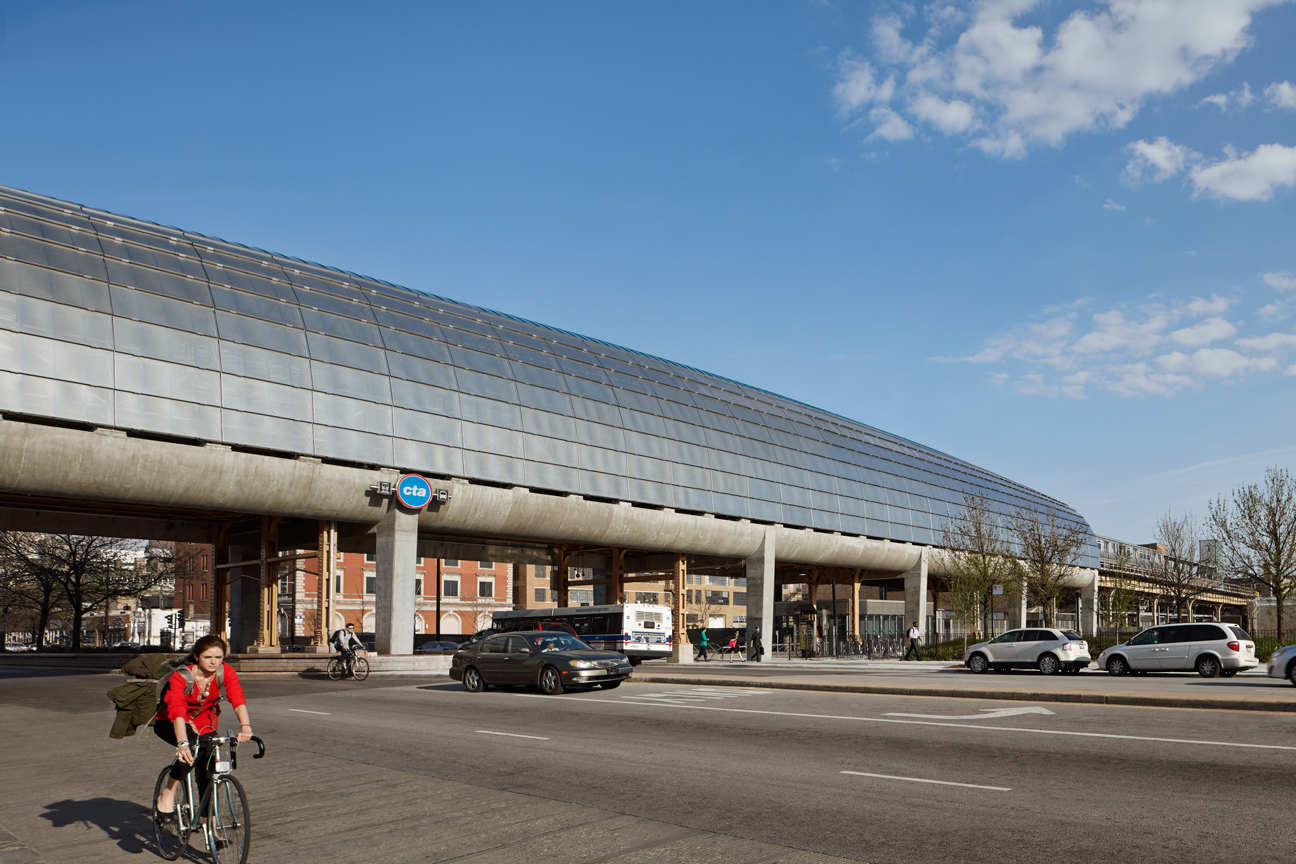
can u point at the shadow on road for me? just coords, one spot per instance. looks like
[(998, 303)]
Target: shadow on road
[(126, 822)]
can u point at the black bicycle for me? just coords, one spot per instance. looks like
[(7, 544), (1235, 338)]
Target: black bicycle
[(221, 814), (349, 665)]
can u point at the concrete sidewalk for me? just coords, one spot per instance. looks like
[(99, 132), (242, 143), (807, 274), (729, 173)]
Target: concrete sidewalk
[(1248, 691)]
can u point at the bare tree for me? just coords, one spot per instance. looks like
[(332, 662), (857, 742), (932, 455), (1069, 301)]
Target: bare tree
[(980, 558), (1256, 534), (1121, 598), (1180, 572), (89, 571), (1049, 547), (38, 590)]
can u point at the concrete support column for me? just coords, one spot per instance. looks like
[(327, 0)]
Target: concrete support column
[(394, 580), (219, 586), (854, 606), (760, 591), (558, 582), (916, 594), (681, 648), (1088, 618), (1017, 610), (244, 601)]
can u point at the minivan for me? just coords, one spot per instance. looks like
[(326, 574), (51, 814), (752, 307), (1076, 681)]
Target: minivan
[(1211, 649)]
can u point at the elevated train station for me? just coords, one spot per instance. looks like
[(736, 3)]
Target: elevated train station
[(158, 383)]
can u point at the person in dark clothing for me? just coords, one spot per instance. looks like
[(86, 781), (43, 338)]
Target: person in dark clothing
[(702, 646), (915, 636), (754, 647)]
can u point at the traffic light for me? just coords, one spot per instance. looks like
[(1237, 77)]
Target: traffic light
[(180, 620)]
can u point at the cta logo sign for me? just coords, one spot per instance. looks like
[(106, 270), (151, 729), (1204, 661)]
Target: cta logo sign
[(413, 491)]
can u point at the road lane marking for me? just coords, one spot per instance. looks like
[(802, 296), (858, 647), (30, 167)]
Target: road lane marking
[(511, 735), (1108, 735), (693, 695), (987, 714), (304, 711), (937, 782)]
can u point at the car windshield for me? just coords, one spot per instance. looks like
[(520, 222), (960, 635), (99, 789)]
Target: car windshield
[(1074, 637), (546, 642)]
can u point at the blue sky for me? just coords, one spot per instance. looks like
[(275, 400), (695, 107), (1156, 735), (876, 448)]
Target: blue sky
[(1053, 239)]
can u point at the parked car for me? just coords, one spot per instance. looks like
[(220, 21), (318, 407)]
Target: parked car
[(477, 637), (127, 645), (514, 625), (545, 659), (1045, 649), (15, 646), (435, 647), (1211, 649), (1282, 664)]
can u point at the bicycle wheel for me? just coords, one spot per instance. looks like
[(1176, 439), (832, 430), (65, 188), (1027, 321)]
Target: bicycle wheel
[(360, 668), (231, 822), (171, 838), (335, 669)]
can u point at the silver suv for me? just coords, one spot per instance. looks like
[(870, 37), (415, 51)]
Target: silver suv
[(1211, 649), (1047, 650)]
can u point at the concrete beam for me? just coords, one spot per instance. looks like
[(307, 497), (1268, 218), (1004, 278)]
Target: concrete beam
[(96, 525), (916, 594)]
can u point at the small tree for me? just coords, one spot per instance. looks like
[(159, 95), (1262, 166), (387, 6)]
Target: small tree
[(1180, 571), (1121, 598), (979, 558), (1256, 534), (36, 589), (1048, 551)]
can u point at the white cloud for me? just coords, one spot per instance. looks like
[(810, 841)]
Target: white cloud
[(1214, 305), (1208, 331), (1281, 94), (1240, 98), (1023, 86), (1112, 205), (1275, 311), (955, 116), (889, 125), (1161, 159), (1270, 344), (1159, 348), (1282, 280), (1252, 177)]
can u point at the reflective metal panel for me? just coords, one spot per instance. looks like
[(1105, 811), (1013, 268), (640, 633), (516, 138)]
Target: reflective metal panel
[(263, 334), (65, 400), (250, 362), (48, 358), (344, 381), (76, 262), (271, 433), (163, 343), (345, 328), (167, 380), (168, 417), (430, 428), (54, 285), (352, 414), (256, 306), (263, 397), (332, 442), (490, 412), (345, 353), (420, 397), (43, 318), (156, 309)]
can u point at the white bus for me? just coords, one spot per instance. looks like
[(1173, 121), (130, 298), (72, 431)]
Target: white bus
[(639, 631)]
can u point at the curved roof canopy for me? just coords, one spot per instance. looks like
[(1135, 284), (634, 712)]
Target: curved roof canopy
[(115, 322)]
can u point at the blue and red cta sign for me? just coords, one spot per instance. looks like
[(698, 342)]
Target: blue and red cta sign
[(413, 491)]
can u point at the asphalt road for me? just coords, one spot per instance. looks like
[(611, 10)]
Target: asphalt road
[(850, 776)]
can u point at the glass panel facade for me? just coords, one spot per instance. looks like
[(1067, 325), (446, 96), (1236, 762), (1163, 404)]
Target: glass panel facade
[(112, 321)]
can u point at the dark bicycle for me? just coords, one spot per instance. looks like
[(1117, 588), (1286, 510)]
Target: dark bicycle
[(221, 814), (349, 665)]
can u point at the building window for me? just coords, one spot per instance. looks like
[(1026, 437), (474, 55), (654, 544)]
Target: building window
[(691, 618), (188, 591), (485, 587), (717, 580), (646, 597), (449, 587), (449, 562), (337, 582), (540, 595), (740, 620), (542, 573), (717, 598), (740, 582), (371, 581), (202, 590), (580, 596), (740, 598), (371, 558), (418, 586), (485, 565)]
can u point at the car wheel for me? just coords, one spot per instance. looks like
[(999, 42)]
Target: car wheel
[(1048, 664), (550, 681), (472, 680), (1117, 666), (610, 685), (978, 664), (1208, 667)]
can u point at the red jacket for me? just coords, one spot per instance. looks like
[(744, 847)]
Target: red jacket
[(202, 718)]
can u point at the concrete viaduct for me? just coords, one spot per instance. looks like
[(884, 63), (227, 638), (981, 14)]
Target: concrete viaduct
[(159, 383)]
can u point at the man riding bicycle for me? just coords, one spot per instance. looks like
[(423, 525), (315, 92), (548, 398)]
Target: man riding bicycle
[(347, 642)]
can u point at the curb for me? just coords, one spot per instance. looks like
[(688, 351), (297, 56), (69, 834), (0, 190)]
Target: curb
[(1123, 699)]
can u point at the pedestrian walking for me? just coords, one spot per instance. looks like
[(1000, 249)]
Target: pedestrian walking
[(914, 638), (754, 648), (702, 646)]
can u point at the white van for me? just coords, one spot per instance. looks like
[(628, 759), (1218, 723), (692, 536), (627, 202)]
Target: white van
[(1210, 649)]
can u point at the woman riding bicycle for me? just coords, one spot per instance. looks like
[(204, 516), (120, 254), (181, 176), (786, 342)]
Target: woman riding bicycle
[(188, 714)]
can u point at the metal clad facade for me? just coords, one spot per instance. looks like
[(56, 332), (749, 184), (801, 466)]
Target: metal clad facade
[(111, 321)]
